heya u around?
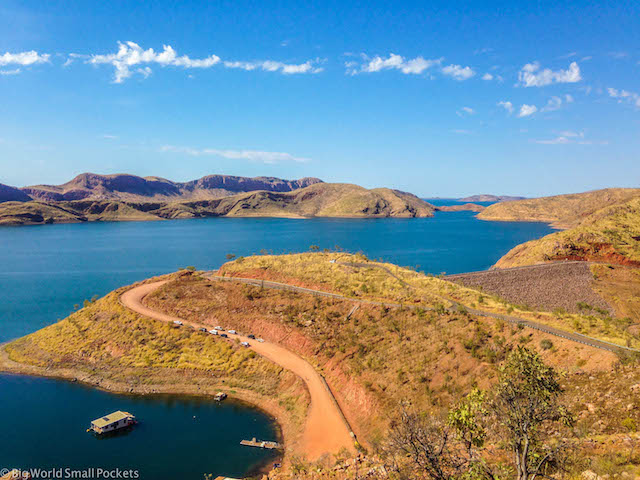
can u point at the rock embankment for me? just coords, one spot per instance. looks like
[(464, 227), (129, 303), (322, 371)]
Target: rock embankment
[(547, 286)]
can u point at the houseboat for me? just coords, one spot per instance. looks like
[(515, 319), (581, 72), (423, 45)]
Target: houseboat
[(220, 396), (112, 422)]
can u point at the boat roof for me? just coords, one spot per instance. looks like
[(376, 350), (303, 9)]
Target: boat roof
[(111, 418)]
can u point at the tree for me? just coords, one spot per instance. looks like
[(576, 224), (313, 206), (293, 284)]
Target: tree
[(230, 256), (526, 399), (422, 446), (314, 248)]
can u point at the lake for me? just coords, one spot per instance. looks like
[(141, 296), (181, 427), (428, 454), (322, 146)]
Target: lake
[(46, 270)]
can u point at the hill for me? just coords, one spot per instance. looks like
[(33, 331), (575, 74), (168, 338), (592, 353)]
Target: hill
[(610, 234), (317, 200), (490, 198), (563, 211), (375, 357), (90, 186), (12, 194)]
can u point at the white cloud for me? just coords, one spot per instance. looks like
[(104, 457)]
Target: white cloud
[(487, 76), (251, 155), (508, 106), (109, 137), (465, 111), (624, 96), (24, 58), (15, 71), (130, 54), (526, 110), (462, 132), (531, 76), (413, 66), (570, 137), (458, 72), (273, 66)]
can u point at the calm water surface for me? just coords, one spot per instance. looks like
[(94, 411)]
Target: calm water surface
[(45, 270)]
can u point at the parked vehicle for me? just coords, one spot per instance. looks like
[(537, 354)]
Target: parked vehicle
[(232, 332), (213, 332), (202, 329), (177, 322), (245, 344), (252, 336), (261, 340), (224, 335), (217, 328)]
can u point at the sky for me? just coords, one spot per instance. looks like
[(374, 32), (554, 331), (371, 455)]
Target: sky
[(438, 98)]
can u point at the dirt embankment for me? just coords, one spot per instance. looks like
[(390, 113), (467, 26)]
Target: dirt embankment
[(547, 286), (325, 430)]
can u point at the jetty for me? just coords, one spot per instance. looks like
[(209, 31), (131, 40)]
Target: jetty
[(261, 444)]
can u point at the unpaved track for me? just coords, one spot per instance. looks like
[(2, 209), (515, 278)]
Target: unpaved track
[(571, 336), (325, 429)]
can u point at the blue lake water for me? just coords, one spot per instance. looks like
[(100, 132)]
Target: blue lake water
[(45, 270)]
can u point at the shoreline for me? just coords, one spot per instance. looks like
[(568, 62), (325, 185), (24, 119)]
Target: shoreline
[(286, 432)]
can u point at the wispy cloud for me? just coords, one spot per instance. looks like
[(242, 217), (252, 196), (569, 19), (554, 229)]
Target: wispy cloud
[(250, 155), (465, 111), (625, 96), (527, 110), (458, 72), (132, 58), (130, 55), (462, 132), (570, 137), (412, 66), (310, 66), (15, 71), (532, 76), (109, 137), (23, 58), (508, 106), (555, 103)]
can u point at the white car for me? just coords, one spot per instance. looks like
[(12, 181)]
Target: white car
[(213, 332), (245, 344), (232, 332), (261, 340), (217, 328), (177, 322)]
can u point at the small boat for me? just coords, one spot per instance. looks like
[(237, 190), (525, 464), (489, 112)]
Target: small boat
[(112, 422), (220, 396)]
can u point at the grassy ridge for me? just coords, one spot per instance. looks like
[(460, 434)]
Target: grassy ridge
[(564, 211), (406, 286), (609, 234)]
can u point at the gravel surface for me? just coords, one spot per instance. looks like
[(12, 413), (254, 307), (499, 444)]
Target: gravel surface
[(548, 286)]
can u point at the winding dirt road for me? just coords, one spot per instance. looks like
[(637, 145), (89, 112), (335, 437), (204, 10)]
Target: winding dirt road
[(326, 430)]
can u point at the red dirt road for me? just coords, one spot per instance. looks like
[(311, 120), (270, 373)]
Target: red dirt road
[(325, 428)]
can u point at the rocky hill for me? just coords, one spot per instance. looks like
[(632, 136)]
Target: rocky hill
[(12, 194), (316, 200), (489, 198), (90, 186), (563, 211)]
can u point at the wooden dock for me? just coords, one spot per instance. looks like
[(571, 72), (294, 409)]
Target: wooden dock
[(261, 444)]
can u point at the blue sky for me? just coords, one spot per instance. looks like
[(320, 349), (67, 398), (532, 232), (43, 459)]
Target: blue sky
[(440, 98)]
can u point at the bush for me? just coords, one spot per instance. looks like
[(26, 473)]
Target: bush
[(546, 344)]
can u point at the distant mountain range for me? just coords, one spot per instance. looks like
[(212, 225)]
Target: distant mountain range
[(91, 197), (90, 186), (490, 198)]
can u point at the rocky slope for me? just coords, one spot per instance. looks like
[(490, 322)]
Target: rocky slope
[(563, 211), (317, 200)]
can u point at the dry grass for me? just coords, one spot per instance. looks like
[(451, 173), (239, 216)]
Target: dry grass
[(565, 211), (408, 287), (107, 341)]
